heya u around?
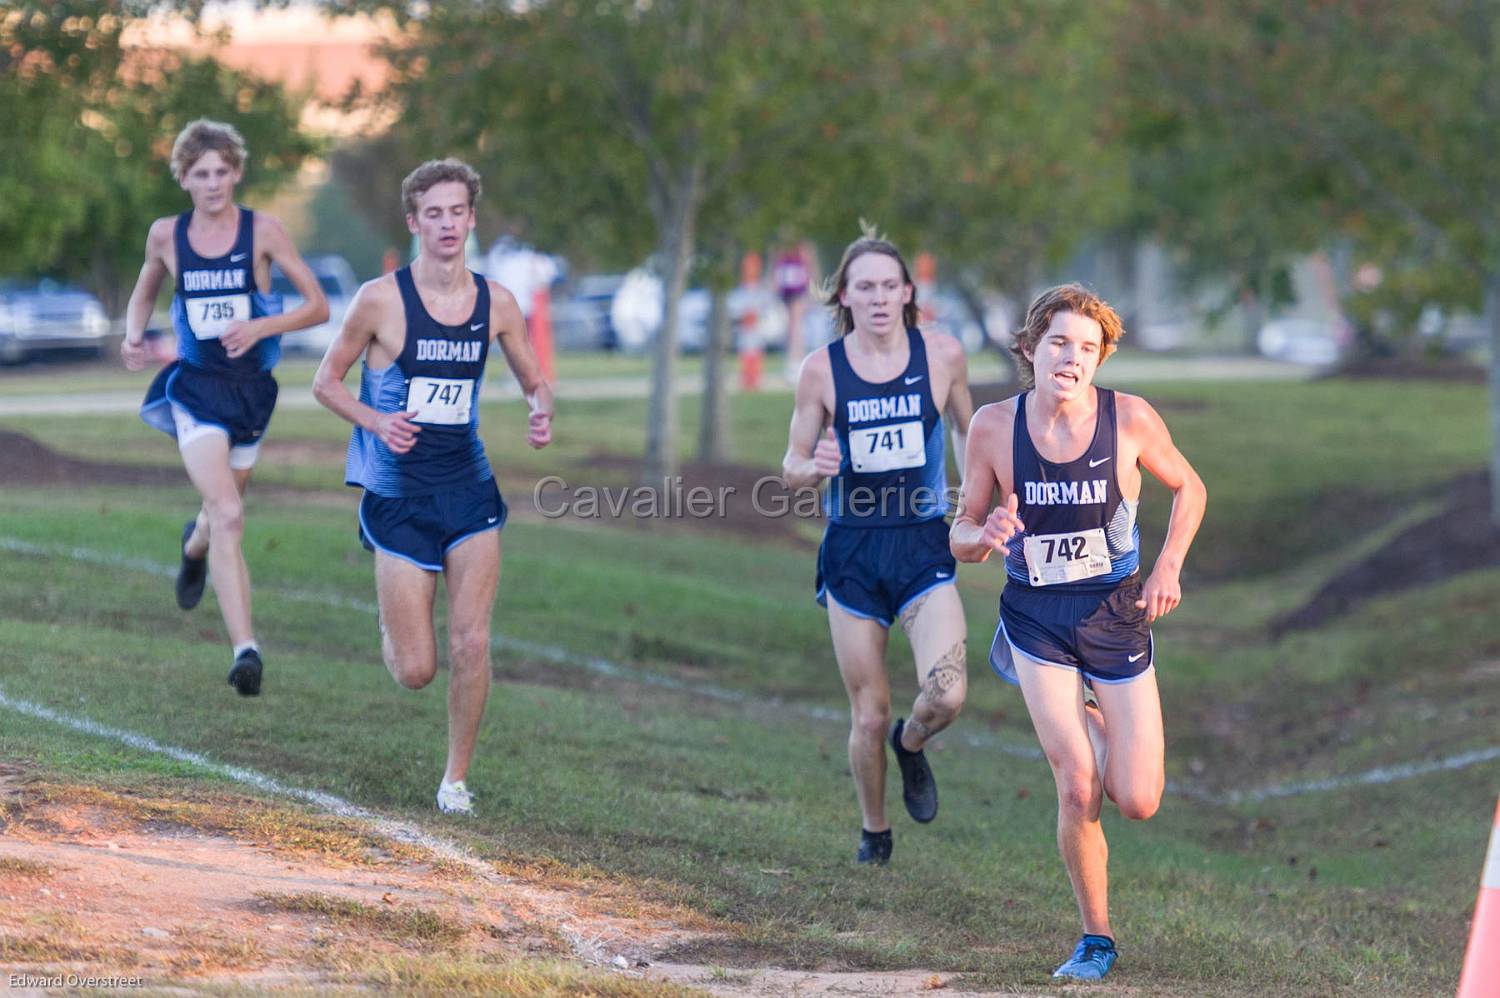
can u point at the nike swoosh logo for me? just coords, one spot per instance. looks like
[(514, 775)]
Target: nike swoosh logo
[(476, 326), (912, 381), (1136, 656), (237, 257), (1095, 464), (494, 518)]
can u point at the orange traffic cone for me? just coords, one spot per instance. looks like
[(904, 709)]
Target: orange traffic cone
[(1481, 975), (541, 331), (752, 352)]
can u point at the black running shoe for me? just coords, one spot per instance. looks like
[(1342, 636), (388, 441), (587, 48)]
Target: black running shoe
[(245, 676), (193, 572), (918, 788), (874, 848)]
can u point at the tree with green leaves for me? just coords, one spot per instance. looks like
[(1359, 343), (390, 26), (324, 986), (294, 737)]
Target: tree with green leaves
[(1275, 128), (96, 120), (618, 128)]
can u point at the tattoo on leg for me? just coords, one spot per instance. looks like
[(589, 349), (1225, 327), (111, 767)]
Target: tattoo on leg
[(946, 674), (909, 615), (921, 730)]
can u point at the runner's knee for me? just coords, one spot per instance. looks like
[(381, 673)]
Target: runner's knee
[(1078, 790), (871, 722), (946, 704), (469, 647), (1137, 802), (413, 670), (226, 516)]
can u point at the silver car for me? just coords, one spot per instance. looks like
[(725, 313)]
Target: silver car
[(39, 315), (339, 284)]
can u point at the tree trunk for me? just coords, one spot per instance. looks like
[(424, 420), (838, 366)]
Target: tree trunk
[(661, 431), (713, 428), (1492, 318)]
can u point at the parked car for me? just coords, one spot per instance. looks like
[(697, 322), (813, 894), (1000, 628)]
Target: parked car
[(1299, 340), (639, 307), (337, 279), (580, 313), (37, 315)]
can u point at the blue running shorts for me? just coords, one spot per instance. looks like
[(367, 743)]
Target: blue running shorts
[(1098, 631), (422, 529), (874, 572)]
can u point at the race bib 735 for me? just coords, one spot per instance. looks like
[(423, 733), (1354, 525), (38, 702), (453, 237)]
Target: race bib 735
[(210, 317)]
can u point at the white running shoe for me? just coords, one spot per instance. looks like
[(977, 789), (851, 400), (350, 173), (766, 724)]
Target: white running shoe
[(454, 798)]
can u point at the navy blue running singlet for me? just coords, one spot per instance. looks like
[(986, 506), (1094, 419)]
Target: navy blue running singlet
[(893, 470), (438, 375), (1080, 531), (211, 293)]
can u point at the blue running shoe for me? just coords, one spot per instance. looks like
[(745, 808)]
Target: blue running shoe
[(1091, 959)]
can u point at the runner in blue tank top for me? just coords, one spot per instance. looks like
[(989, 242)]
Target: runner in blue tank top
[(430, 506), (868, 417), (1075, 620), (216, 399)]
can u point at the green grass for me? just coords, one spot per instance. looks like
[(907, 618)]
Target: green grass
[(743, 810)]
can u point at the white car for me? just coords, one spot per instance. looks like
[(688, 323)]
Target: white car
[(1300, 340), (339, 284), (42, 315)]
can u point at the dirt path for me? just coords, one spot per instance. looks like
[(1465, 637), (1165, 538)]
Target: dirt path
[(201, 889)]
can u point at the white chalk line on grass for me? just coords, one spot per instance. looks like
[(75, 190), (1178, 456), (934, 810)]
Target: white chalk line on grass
[(388, 828), (614, 670)]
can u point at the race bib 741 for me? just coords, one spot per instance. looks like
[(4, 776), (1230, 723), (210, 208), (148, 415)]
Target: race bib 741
[(888, 448)]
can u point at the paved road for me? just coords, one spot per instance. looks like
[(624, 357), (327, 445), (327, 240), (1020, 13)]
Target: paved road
[(1121, 370)]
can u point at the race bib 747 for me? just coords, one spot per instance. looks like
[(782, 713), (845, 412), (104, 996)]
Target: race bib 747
[(441, 401)]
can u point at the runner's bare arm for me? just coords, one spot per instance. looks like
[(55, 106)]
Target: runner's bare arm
[(812, 454), (362, 326), (271, 237), (977, 530), (960, 401), (143, 296), (508, 326), (1158, 455)]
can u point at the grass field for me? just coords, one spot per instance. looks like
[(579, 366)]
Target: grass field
[(707, 769)]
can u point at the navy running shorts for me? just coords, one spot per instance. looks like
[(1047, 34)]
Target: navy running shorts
[(241, 406), (423, 529), (1098, 631), (874, 572)]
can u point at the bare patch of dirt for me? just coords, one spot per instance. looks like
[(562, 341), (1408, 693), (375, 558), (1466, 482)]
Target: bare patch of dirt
[(1459, 538), (986, 392), (304, 453), (1451, 369), (26, 461), (202, 889), (774, 983), (148, 884), (740, 499)]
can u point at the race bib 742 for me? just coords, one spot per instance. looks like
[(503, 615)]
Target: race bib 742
[(1054, 558)]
